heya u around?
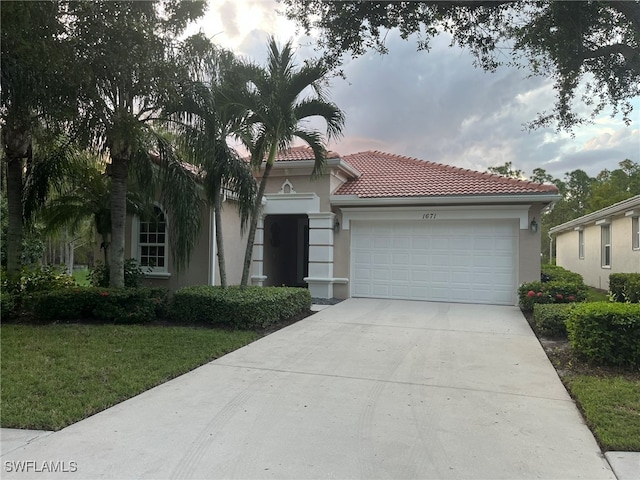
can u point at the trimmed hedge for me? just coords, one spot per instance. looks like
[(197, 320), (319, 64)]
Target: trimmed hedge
[(558, 291), (606, 333), (550, 319), (242, 308), (130, 305), (625, 287), (555, 273)]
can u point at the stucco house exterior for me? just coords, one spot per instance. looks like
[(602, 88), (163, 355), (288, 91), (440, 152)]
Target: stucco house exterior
[(600, 243), (379, 225)]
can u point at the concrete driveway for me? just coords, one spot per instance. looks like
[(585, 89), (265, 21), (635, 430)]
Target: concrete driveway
[(364, 389)]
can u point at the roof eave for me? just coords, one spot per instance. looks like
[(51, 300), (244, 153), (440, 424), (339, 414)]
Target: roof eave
[(616, 208), (354, 200)]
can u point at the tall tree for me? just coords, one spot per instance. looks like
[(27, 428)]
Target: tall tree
[(277, 103), (131, 53), (569, 42), (614, 186), (206, 119), (506, 170), (37, 89), (86, 197)]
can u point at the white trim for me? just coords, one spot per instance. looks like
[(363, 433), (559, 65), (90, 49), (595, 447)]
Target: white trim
[(290, 203), (354, 200), (150, 272), (438, 213), (604, 221), (157, 275)]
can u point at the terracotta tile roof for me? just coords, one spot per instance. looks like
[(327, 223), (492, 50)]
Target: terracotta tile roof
[(387, 175), (300, 153)]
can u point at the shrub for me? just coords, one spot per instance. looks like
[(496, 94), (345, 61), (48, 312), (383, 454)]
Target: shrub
[(606, 333), (133, 274), (557, 291), (625, 287), (110, 305), (36, 279), (555, 273), (550, 319), (243, 308), (7, 305)]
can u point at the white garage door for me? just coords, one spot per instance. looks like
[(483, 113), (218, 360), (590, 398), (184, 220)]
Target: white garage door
[(447, 261)]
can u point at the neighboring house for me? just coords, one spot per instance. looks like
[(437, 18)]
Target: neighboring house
[(379, 225), (600, 243)]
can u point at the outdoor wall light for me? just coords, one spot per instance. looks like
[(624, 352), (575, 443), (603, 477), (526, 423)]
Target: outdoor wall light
[(336, 225), (533, 225)]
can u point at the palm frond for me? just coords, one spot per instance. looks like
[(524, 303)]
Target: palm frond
[(179, 195), (332, 115), (315, 141)]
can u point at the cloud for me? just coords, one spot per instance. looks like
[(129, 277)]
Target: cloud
[(436, 106)]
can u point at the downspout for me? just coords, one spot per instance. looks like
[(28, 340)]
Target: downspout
[(551, 261)]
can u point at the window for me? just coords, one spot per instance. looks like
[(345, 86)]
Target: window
[(605, 231), (152, 242), (635, 231), (580, 243)]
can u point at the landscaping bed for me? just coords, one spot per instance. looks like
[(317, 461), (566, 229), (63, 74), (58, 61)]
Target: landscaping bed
[(607, 396)]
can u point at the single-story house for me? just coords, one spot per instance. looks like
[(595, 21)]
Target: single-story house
[(375, 225), (600, 243)]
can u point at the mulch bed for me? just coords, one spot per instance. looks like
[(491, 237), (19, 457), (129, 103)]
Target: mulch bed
[(567, 364)]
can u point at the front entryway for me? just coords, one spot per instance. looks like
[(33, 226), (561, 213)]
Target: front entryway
[(286, 250)]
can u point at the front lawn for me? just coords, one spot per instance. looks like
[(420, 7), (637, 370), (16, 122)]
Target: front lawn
[(55, 375), (611, 406)]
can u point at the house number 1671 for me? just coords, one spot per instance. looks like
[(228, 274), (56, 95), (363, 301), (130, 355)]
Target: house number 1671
[(428, 216)]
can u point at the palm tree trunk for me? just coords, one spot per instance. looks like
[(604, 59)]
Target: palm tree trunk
[(14, 204), (118, 219), (257, 212), (217, 218)]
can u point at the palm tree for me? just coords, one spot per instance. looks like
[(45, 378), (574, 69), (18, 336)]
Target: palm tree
[(37, 87), (206, 120), (133, 66), (277, 106), (87, 197)]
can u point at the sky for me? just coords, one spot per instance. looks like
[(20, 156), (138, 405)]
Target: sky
[(434, 105)]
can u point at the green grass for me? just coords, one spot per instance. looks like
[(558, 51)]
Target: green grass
[(611, 407), (81, 276), (55, 375), (595, 295)]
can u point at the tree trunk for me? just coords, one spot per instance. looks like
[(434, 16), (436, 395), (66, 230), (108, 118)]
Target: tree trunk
[(217, 218), (257, 212), (105, 247), (14, 204), (118, 219), (16, 142)]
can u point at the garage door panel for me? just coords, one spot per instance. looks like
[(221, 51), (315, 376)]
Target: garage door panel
[(419, 260), (400, 259), (464, 261)]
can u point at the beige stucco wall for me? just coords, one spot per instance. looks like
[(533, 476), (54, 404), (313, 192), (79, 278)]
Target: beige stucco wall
[(234, 244), (623, 257), (301, 182), (197, 272), (529, 249)]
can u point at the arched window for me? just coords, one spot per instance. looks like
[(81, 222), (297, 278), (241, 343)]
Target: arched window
[(151, 242)]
